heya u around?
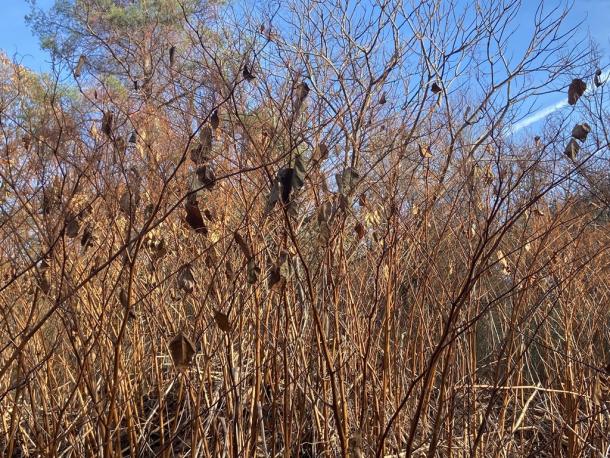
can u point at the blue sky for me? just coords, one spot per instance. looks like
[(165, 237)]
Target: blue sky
[(17, 41)]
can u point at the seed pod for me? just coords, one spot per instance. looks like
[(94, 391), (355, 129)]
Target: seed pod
[(581, 131), (182, 350), (576, 89)]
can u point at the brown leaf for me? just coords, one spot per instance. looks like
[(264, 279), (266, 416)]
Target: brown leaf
[(194, 218), (214, 120), (424, 151), (360, 231), (572, 149), (576, 89), (253, 271), (107, 119), (301, 91), (382, 99), (182, 350), (248, 76), (242, 245), (186, 279), (435, 88), (222, 321), (581, 131)]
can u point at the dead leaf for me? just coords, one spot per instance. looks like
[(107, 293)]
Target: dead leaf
[(222, 321), (182, 350), (576, 89), (360, 230)]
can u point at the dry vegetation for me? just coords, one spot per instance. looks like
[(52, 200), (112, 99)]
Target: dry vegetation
[(303, 230)]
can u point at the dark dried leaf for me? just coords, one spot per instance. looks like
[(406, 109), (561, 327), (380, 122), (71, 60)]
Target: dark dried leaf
[(172, 56), (72, 226), (359, 229), (253, 271), (572, 149), (581, 131), (248, 76), (214, 120), (435, 88), (301, 91), (245, 249), (206, 176), (382, 99), (194, 218), (82, 60), (186, 280), (182, 350), (598, 78), (576, 89), (222, 321), (107, 120)]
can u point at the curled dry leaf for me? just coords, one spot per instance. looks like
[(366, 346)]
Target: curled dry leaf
[(182, 350), (82, 60), (247, 74), (206, 177), (107, 120), (320, 153), (253, 271), (424, 151), (245, 249), (360, 230), (576, 89), (186, 279), (581, 131), (572, 149), (382, 99), (435, 88), (194, 218), (214, 120), (301, 91), (598, 78), (222, 321), (172, 55)]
